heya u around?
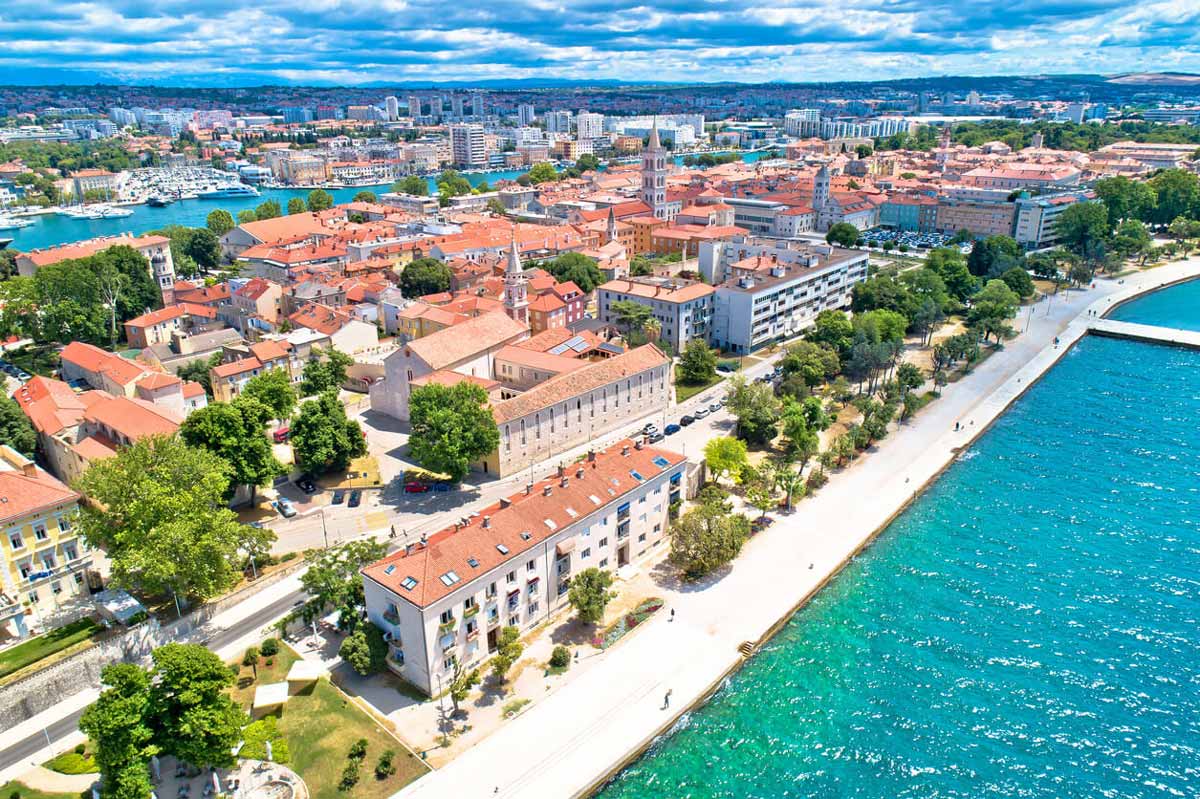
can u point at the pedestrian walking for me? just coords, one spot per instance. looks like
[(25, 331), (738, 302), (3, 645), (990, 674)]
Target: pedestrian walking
[(667, 699), (672, 614)]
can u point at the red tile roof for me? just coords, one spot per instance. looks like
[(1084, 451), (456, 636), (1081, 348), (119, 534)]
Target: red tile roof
[(83, 249), (608, 478), (23, 495), (93, 359)]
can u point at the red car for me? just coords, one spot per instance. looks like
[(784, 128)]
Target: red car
[(415, 488)]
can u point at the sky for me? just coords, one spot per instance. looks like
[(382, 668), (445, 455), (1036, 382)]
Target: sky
[(354, 42)]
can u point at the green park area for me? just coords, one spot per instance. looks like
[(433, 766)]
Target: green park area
[(18, 657)]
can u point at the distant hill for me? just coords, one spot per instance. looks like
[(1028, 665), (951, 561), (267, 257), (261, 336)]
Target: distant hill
[(1156, 79)]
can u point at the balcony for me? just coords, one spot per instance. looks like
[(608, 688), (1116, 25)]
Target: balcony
[(446, 627), (471, 611), (391, 617), (473, 634)]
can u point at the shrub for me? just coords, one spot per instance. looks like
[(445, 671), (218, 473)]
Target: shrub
[(385, 767), (816, 479), (256, 736), (284, 558), (251, 657), (560, 658), (349, 776), (358, 749), (270, 647)]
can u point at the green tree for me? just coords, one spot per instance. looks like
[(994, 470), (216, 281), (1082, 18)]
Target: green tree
[(451, 184), (219, 221), (834, 330), (122, 739), (1178, 194), (194, 718), (1082, 228), (951, 266), (323, 439), (199, 371), (756, 409), (842, 234), (332, 578), (630, 315), (708, 536), (452, 427), (759, 489), (413, 184), (236, 433), (1125, 198), (800, 441), (365, 197), (15, 428), (993, 306), (813, 363), (1017, 278), (1130, 238), (589, 594), (697, 363), (296, 205), (542, 172), (992, 256), (575, 267), (274, 389), (319, 200), (462, 680), (365, 650), (508, 651), (245, 216), (725, 456), (157, 509), (203, 247), (425, 276), (268, 209), (326, 372)]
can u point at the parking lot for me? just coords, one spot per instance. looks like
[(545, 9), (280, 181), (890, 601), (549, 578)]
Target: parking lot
[(875, 237)]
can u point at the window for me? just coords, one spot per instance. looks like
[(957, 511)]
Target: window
[(514, 620), (470, 603), (642, 537), (530, 566), (603, 563), (658, 527), (64, 524), (447, 616), (78, 578), (39, 532), (490, 592), (33, 597), (604, 542), (533, 608), (450, 578), (511, 577), (408, 584), (493, 614), (587, 553), (70, 553), (48, 561), (472, 626), (16, 541), (56, 587), (448, 663)]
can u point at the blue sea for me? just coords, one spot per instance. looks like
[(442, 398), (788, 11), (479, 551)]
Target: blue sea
[(1028, 628), (1177, 306), (51, 229)]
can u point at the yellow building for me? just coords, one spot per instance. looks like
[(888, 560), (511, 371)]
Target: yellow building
[(44, 561)]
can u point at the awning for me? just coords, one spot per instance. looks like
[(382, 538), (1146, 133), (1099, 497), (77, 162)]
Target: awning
[(514, 593), (533, 580), (565, 546)]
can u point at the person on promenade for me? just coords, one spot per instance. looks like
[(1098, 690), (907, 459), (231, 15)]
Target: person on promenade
[(667, 699)]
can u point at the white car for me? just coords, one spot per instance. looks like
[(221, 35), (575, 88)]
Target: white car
[(285, 507)]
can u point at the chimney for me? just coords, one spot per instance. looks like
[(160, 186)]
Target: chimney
[(639, 444), (625, 450), (528, 489), (408, 549), (487, 521), (563, 483), (505, 502), (579, 473), (547, 490), (424, 540), (591, 456)]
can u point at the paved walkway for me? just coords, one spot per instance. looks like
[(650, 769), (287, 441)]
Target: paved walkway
[(565, 744), (1149, 333), (43, 779)]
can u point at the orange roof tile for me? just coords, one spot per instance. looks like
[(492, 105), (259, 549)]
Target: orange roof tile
[(23, 495), (453, 344)]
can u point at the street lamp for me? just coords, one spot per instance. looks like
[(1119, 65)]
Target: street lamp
[(324, 530)]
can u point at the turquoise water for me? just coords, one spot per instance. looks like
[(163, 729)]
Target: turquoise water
[(1177, 306), (52, 229), (1028, 628)]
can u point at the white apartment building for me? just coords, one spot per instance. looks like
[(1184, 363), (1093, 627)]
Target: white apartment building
[(767, 290), (525, 114), (1035, 224), (468, 146), (445, 598), (392, 104), (558, 121), (588, 126), (683, 309)]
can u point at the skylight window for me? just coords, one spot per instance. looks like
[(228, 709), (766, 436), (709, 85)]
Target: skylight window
[(390, 568), (637, 476), (409, 583), (503, 550), (661, 462), (474, 564), (550, 523), (572, 513), (526, 535), (450, 578)]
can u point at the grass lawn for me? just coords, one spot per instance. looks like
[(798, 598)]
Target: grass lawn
[(72, 762), (37, 359), (18, 657), (19, 790), (685, 391), (320, 726)]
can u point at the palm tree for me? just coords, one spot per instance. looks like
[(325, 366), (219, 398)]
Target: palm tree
[(652, 328), (789, 481)]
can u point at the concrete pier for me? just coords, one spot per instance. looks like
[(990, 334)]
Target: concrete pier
[(1149, 333)]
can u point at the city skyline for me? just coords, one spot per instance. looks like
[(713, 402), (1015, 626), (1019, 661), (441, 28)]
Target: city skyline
[(394, 41)]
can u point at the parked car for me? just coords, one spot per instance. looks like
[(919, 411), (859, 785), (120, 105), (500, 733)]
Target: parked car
[(714, 406), (286, 509), (700, 413), (355, 499), (655, 437), (671, 429), (442, 487), (415, 488), (306, 484), (339, 496), (684, 421), (281, 435), (649, 428)]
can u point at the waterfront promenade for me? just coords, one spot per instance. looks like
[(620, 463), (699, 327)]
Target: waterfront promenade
[(1153, 334), (567, 743)]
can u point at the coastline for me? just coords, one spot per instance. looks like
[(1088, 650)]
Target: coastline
[(574, 741)]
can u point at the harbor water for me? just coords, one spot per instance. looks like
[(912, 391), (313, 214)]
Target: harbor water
[(1028, 628)]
